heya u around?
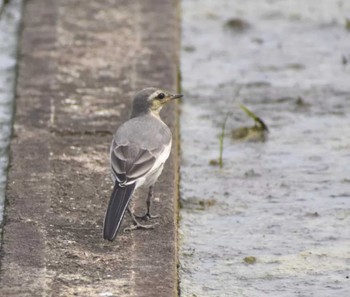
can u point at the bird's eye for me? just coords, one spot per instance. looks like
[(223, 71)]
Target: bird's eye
[(161, 96)]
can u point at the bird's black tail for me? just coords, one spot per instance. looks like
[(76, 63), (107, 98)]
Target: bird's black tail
[(115, 212)]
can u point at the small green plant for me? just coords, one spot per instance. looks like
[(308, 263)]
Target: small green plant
[(221, 140), (258, 121), (220, 162), (255, 133)]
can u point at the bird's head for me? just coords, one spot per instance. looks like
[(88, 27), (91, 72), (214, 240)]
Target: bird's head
[(151, 100)]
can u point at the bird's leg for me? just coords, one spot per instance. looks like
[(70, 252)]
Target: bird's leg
[(148, 215), (136, 225)]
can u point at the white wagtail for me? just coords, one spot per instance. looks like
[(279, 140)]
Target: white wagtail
[(138, 152)]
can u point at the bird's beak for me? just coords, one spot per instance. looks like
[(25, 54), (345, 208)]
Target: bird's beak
[(176, 96)]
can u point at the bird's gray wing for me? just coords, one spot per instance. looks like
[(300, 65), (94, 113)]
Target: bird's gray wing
[(130, 163), (137, 146)]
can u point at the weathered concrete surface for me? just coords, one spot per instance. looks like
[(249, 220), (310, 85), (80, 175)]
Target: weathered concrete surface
[(80, 63)]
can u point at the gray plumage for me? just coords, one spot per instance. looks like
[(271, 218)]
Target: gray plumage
[(138, 152)]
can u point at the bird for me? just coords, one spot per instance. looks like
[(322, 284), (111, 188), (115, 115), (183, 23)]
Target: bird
[(138, 151)]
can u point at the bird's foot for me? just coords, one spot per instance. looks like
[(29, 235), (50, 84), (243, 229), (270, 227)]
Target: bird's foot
[(147, 217), (139, 226)]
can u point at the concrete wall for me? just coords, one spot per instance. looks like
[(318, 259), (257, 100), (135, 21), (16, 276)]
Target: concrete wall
[(80, 63)]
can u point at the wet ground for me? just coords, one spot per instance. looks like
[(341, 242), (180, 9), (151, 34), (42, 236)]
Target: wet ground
[(9, 22), (274, 221)]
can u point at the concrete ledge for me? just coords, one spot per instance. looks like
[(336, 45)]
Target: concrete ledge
[(80, 63)]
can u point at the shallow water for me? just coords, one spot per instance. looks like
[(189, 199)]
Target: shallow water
[(286, 201), (9, 24)]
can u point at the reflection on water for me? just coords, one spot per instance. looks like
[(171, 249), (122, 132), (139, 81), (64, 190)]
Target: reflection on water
[(274, 221), (9, 23)]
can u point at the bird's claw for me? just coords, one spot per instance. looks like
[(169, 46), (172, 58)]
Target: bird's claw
[(147, 217), (139, 226)]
